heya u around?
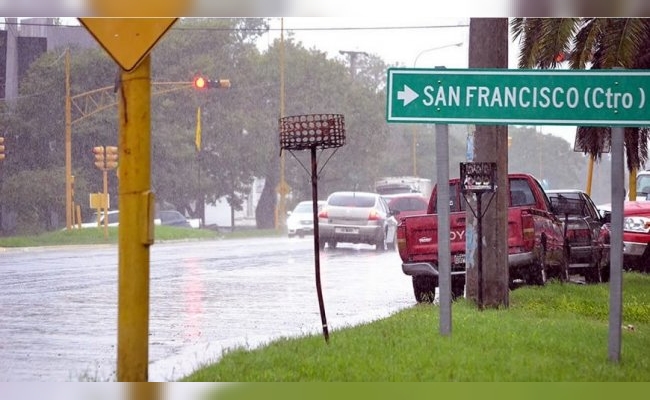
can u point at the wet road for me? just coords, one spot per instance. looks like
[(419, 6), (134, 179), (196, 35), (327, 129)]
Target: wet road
[(59, 305)]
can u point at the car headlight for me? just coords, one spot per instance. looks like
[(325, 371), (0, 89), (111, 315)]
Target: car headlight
[(636, 224)]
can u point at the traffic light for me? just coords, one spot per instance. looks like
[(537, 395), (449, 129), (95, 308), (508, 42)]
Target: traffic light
[(111, 157), (219, 83), (99, 157), (202, 83), (2, 148)]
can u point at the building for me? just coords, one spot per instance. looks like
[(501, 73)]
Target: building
[(23, 41)]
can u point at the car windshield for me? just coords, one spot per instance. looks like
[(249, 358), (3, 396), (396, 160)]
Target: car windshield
[(643, 185), (568, 203), (303, 208), (352, 200)]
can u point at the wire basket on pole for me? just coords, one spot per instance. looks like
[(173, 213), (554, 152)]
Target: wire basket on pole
[(313, 132)]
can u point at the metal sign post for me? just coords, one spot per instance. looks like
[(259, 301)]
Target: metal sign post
[(478, 178), (312, 132)]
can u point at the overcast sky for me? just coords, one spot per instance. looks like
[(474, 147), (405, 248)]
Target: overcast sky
[(423, 42)]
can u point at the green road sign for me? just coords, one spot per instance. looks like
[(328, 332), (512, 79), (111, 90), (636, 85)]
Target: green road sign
[(519, 97)]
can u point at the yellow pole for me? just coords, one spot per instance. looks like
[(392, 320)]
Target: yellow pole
[(590, 174), (68, 144), (136, 203), (281, 210), (632, 180), (105, 203)]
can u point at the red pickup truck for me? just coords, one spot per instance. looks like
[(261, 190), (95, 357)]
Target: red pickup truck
[(536, 245)]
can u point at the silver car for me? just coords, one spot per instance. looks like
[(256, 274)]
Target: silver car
[(301, 220), (356, 217)]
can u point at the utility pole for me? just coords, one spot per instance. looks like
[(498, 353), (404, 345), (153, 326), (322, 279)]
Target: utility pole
[(352, 55), (488, 48)]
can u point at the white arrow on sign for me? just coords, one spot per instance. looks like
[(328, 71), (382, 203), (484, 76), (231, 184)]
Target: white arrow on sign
[(407, 95)]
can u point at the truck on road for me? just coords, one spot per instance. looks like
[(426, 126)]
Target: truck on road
[(403, 184), (536, 245)]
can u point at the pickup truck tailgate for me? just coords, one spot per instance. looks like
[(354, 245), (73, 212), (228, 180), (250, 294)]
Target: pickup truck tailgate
[(419, 234)]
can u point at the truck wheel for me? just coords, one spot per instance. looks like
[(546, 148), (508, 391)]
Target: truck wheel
[(457, 290), (592, 275), (536, 274), (563, 271), (424, 288), (380, 245), (604, 273), (332, 244)]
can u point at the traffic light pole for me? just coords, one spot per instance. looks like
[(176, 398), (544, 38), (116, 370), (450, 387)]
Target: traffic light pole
[(136, 203), (69, 207), (105, 202)]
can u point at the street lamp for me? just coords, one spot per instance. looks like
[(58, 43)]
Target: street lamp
[(353, 59), (415, 133)]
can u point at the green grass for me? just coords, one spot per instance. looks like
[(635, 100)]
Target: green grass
[(96, 236), (553, 333)]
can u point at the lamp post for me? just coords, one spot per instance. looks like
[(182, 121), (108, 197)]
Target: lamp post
[(415, 132), (353, 59)]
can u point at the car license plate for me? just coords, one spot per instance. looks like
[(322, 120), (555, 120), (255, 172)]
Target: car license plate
[(459, 258), (347, 230)]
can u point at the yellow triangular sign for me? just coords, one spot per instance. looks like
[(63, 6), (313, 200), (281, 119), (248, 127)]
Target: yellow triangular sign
[(127, 40)]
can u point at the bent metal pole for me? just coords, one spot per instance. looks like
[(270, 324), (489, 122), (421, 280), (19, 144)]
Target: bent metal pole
[(311, 132), (314, 206)]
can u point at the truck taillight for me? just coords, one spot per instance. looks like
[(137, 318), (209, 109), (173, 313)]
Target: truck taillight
[(323, 213), (401, 242), (373, 215), (528, 230), (579, 235)]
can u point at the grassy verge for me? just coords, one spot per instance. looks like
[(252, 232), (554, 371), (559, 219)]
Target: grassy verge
[(554, 333), (97, 236)]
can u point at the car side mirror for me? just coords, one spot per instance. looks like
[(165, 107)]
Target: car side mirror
[(606, 218)]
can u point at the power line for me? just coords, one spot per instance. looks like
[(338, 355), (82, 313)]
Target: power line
[(307, 29)]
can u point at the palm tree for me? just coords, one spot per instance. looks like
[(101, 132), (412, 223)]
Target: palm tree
[(596, 43)]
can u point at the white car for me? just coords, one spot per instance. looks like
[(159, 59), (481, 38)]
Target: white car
[(113, 220), (301, 220)]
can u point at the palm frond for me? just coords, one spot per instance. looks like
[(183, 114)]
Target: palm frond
[(529, 30), (584, 43), (620, 41), (593, 140), (555, 40), (636, 146), (643, 56)]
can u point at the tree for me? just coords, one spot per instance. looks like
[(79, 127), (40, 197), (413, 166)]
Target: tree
[(596, 43), (488, 48)]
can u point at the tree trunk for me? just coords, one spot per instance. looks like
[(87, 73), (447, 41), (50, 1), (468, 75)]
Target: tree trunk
[(488, 48), (265, 210)]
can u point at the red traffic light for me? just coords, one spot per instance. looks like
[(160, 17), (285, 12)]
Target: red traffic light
[(200, 82)]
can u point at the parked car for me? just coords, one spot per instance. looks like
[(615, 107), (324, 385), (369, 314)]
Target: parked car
[(582, 232), (407, 204), (356, 217), (643, 185), (113, 219), (636, 234), (173, 218), (91, 222), (301, 220)]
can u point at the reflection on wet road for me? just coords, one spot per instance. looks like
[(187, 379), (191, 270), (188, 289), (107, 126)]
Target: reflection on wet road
[(59, 306)]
